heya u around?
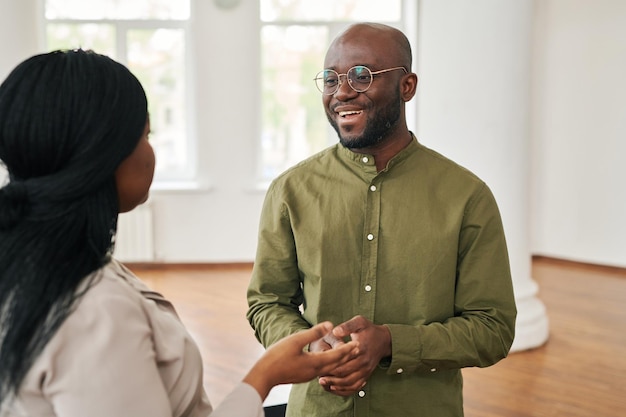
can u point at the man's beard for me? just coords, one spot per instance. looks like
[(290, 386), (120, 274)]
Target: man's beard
[(376, 129)]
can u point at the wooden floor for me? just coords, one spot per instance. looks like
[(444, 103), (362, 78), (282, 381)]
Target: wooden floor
[(579, 372)]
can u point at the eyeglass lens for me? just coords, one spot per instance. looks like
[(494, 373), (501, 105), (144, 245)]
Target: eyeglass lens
[(359, 78)]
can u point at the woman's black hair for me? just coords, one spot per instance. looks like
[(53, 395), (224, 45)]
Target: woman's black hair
[(67, 120)]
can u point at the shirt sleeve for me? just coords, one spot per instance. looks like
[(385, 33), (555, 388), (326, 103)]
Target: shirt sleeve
[(482, 329), (274, 294), (243, 401), (101, 362)]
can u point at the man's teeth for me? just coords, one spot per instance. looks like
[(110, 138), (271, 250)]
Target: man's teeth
[(346, 113)]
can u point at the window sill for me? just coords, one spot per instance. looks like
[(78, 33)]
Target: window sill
[(174, 187)]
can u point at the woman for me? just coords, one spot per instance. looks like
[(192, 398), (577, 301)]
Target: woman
[(80, 335)]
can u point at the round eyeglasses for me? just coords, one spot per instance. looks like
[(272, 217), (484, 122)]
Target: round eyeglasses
[(359, 79)]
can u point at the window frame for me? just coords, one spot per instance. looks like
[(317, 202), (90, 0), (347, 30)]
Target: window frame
[(185, 176)]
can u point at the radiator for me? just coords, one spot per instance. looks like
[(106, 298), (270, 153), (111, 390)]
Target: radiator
[(135, 237)]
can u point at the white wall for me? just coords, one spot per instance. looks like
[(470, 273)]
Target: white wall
[(218, 223), (577, 123), (19, 31), (579, 130), (18, 39)]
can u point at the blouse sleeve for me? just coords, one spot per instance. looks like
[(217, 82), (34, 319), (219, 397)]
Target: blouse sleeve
[(243, 401)]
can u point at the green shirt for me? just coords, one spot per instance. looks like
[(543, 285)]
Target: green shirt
[(418, 247)]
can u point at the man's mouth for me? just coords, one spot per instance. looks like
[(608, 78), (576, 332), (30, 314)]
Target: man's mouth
[(349, 113)]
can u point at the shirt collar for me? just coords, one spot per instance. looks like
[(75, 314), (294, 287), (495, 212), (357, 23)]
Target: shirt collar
[(367, 161)]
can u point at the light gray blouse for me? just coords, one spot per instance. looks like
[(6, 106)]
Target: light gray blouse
[(122, 352)]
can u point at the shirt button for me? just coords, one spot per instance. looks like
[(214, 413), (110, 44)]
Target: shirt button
[(368, 288), (361, 394), (370, 237), (373, 188), (400, 370), (365, 159)]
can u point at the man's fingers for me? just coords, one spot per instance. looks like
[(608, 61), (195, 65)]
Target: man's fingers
[(353, 325), (341, 386)]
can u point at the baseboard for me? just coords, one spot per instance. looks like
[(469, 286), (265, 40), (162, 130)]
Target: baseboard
[(578, 264), (189, 266)]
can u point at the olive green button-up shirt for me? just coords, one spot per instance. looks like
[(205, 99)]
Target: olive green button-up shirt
[(418, 247)]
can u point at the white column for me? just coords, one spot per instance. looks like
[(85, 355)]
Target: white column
[(473, 62)]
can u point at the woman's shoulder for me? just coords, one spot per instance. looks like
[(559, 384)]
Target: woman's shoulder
[(111, 282), (115, 279), (108, 300)]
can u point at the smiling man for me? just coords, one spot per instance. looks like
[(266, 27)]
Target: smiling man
[(400, 246), (376, 122)]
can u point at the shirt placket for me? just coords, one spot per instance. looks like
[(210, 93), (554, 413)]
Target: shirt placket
[(368, 282)]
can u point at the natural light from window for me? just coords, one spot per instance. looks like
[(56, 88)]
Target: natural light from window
[(149, 37)]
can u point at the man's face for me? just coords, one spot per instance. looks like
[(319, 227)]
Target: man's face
[(367, 128), (363, 120)]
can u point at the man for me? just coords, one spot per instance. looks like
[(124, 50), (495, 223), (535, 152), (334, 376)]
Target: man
[(400, 245)]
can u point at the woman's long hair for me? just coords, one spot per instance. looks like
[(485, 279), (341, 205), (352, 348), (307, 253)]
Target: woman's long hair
[(67, 120)]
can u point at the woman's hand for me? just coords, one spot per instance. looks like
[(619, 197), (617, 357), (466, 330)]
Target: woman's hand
[(286, 362)]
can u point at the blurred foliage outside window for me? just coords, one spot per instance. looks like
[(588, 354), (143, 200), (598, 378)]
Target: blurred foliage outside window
[(148, 36)]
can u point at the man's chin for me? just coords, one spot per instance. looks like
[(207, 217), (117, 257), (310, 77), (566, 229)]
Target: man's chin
[(351, 141)]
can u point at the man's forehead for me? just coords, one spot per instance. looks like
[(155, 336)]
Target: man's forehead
[(348, 52)]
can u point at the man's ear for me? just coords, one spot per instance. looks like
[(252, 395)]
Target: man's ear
[(408, 86)]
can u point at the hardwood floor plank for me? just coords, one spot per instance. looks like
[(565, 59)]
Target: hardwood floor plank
[(579, 372)]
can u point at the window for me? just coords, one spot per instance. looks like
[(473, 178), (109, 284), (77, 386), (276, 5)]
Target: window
[(149, 37), (294, 37)]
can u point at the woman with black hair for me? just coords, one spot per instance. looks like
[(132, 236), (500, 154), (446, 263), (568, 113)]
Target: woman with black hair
[(80, 335)]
